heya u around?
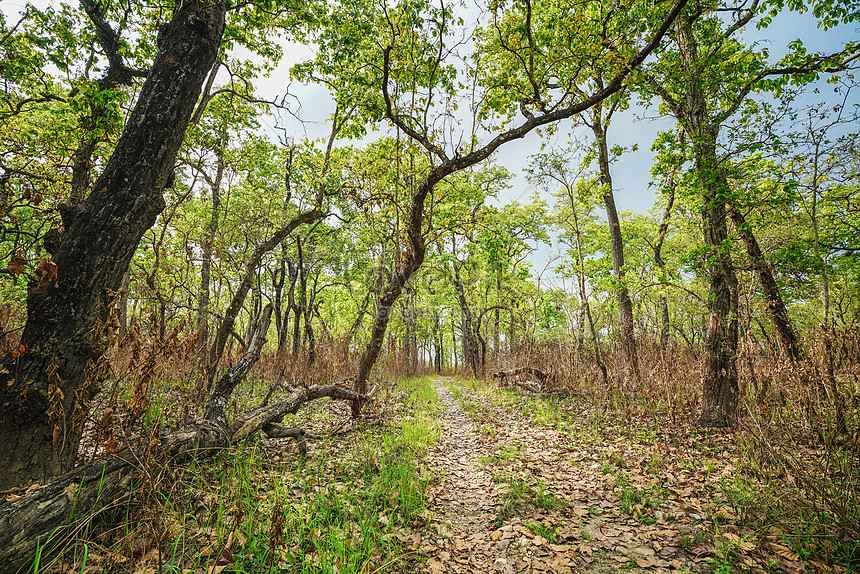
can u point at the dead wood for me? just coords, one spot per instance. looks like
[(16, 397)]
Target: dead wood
[(514, 373), (517, 377), (277, 431), (41, 520)]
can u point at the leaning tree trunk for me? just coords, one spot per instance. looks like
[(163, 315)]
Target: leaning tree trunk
[(775, 305), (45, 395)]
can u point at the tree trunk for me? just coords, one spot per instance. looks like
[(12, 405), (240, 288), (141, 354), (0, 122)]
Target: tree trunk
[(658, 260), (625, 304), (719, 367), (206, 263), (580, 275), (775, 306), (122, 303), (471, 351), (216, 407), (278, 280), (44, 399), (293, 306)]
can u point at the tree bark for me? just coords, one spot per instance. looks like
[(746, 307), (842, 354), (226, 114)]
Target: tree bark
[(775, 305), (625, 304), (719, 367), (719, 356), (44, 397)]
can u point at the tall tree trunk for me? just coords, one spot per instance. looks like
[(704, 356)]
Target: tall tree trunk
[(625, 304), (206, 263), (279, 276), (294, 307), (437, 343), (719, 367), (598, 358), (657, 248), (471, 351), (775, 306), (45, 398)]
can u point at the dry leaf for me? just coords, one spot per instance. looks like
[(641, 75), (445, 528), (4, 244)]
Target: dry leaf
[(783, 552), (17, 264)]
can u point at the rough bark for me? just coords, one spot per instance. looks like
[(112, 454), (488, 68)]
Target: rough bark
[(719, 367), (775, 305), (45, 394)]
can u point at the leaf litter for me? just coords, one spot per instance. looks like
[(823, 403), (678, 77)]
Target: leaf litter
[(583, 496)]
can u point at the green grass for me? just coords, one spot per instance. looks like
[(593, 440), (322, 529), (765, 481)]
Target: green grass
[(520, 497), (545, 532)]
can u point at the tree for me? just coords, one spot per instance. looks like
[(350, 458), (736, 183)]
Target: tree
[(692, 82), (397, 64), (46, 392)]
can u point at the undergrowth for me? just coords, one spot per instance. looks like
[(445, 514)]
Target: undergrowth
[(790, 496), (261, 507)]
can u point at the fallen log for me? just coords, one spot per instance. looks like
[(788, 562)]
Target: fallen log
[(514, 373), (39, 522)]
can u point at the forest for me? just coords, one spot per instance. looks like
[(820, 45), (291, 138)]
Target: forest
[(397, 314)]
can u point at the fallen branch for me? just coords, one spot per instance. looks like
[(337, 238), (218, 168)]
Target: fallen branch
[(42, 518), (514, 373)]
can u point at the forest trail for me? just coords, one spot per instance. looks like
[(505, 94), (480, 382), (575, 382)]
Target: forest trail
[(519, 497)]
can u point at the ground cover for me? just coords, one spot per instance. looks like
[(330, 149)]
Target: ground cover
[(445, 475)]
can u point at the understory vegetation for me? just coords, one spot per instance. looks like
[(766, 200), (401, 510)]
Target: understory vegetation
[(266, 507), (768, 497)]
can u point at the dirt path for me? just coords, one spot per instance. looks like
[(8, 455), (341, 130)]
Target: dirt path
[(555, 509)]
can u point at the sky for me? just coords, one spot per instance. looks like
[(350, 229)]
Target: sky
[(635, 126)]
